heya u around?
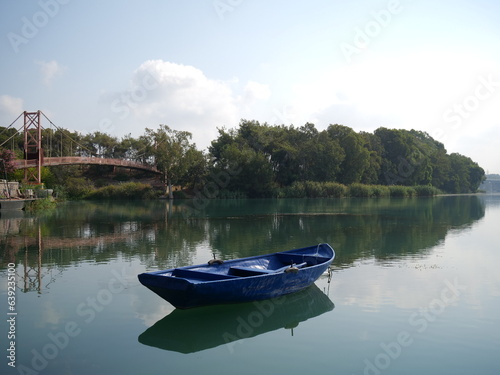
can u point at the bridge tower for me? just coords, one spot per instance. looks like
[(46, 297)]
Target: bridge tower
[(33, 146)]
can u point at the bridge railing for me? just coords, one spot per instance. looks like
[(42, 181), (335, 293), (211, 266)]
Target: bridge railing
[(72, 160)]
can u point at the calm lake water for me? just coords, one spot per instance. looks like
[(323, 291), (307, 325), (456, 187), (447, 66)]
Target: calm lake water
[(415, 288)]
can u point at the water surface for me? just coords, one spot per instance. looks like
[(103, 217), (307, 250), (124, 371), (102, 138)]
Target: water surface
[(414, 289)]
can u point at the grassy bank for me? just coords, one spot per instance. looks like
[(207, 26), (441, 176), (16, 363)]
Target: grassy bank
[(299, 189), (41, 204), (313, 189), (128, 190), (81, 188)]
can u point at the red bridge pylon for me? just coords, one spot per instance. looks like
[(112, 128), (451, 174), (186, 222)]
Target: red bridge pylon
[(33, 146)]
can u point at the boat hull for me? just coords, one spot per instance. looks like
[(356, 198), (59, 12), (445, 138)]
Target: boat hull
[(220, 286)]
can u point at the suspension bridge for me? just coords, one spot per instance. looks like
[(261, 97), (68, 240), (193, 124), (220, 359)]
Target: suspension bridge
[(34, 155)]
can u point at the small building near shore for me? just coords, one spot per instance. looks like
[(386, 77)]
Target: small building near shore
[(490, 185)]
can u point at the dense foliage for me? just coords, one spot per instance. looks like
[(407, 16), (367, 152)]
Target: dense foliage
[(271, 158), (261, 160)]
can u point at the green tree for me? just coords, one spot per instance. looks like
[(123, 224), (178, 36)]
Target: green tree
[(11, 139), (440, 161), (465, 175), (170, 148), (405, 157), (371, 175), (394, 156), (250, 170), (323, 157), (284, 148), (245, 155), (62, 142), (217, 146), (132, 149), (357, 156), (101, 144), (196, 170)]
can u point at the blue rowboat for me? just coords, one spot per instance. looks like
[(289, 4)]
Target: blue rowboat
[(240, 280)]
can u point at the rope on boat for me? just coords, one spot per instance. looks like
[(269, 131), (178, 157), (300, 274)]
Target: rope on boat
[(211, 262), (292, 269)]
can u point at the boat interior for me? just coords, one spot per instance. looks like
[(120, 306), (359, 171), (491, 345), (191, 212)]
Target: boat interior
[(276, 263)]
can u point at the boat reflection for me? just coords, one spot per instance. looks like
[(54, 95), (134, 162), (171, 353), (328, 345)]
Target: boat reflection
[(189, 331)]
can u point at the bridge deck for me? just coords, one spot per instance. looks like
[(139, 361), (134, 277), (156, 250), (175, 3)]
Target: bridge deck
[(74, 160)]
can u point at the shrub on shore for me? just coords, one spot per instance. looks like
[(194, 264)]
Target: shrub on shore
[(360, 190), (402, 191), (380, 191), (335, 190), (426, 190), (41, 204), (129, 190), (80, 188), (77, 188), (314, 189)]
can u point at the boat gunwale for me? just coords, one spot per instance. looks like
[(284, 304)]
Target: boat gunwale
[(162, 273)]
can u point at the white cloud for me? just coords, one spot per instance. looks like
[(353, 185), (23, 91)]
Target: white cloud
[(182, 97), (257, 91), (10, 107), (415, 90), (49, 70)]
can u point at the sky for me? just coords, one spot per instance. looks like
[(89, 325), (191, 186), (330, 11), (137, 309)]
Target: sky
[(119, 67)]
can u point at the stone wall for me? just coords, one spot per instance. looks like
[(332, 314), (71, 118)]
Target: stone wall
[(13, 189)]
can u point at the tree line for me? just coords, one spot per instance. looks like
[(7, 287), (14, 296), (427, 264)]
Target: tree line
[(260, 160), (271, 157)]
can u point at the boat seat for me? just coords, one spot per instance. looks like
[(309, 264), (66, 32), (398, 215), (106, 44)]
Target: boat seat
[(200, 275), (253, 271)]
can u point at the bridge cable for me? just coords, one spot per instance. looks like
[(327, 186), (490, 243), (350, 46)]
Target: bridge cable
[(63, 133), (12, 136), (7, 128)]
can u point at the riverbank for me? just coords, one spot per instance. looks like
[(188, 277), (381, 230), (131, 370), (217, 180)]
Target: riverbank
[(299, 189), (311, 189), (314, 189)]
